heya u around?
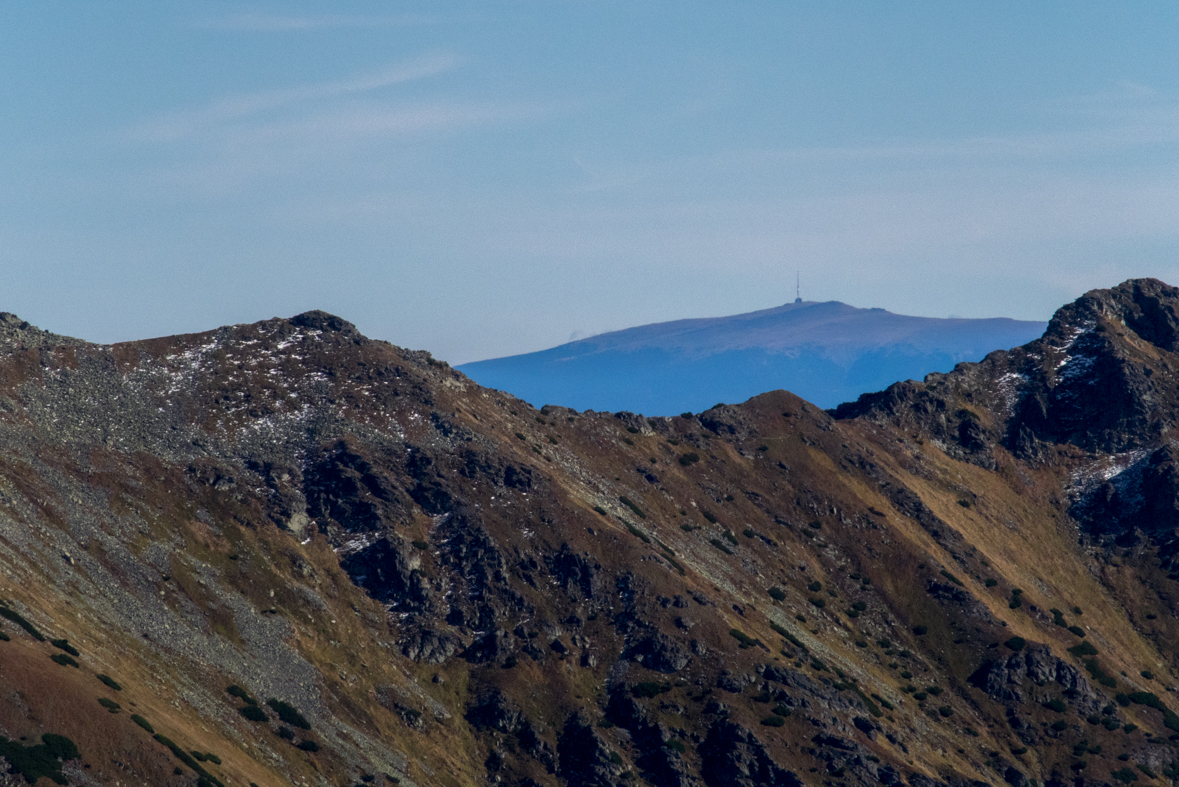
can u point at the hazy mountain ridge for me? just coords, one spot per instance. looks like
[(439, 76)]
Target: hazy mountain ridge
[(825, 352), (962, 581)]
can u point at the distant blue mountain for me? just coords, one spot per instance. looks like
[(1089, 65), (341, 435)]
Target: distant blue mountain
[(827, 353)]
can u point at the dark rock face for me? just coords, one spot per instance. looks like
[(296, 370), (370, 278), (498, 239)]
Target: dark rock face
[(518, 478), (1016, 678), (578, 575), (583, 757), (1144, 496), (388, 571), (659, 759), (479, 572), (428, 645), (493, 711), (659, 652), (734, 757), (345, 486)]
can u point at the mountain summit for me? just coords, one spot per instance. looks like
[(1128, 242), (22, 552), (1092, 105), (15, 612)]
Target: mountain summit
[(284, 553), (826, 353)]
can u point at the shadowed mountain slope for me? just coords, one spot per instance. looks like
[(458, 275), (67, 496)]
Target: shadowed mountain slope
[(826, 353), (283, 553)]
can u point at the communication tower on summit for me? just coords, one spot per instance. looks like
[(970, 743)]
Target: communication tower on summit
[(797, 289)]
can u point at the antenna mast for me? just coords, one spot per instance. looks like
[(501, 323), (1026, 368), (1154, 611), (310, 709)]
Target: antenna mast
[(797, 288)]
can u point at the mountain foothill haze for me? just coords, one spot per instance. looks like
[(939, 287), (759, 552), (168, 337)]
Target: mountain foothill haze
[(284, 553), (827, 353)]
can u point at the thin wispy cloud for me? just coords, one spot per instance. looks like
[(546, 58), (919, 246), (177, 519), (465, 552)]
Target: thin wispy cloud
[(1135, 118), (279, 23), (187, 122)]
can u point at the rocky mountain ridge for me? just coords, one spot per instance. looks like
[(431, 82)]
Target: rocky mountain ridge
[(284, 553)]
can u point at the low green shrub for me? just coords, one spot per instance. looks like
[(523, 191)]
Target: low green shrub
[(783, 710), (1055, 704), (600, 510), (142, 722), (64, 660), (991, 583), (1083, 649), (793, 640), (110, 682), (241, 694), (716, 542), (1077, 630), (634, 531), (1060, 726), (203, 776), (745, 640), (920, 631), (18, 619), (649, 689), (773, 721), (689, 458), (42, 759), (1016, 643), (1147, 698), (253, 713), (422, 545), (626, 501), (64, 644), (308, 746), (1098, 674), (288, 714), (951, 577), (110, 705), (777, 594)]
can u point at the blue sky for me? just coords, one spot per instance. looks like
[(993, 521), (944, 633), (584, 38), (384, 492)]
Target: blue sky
[(480, 179)]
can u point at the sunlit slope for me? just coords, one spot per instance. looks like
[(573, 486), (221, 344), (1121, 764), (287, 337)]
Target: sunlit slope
[(284, 553)]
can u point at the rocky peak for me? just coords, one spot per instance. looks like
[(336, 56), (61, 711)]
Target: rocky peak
[(1101, 379), (16, 333), (317, 320)]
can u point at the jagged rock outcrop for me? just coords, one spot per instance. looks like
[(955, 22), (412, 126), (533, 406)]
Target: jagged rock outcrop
[(734, 757)]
